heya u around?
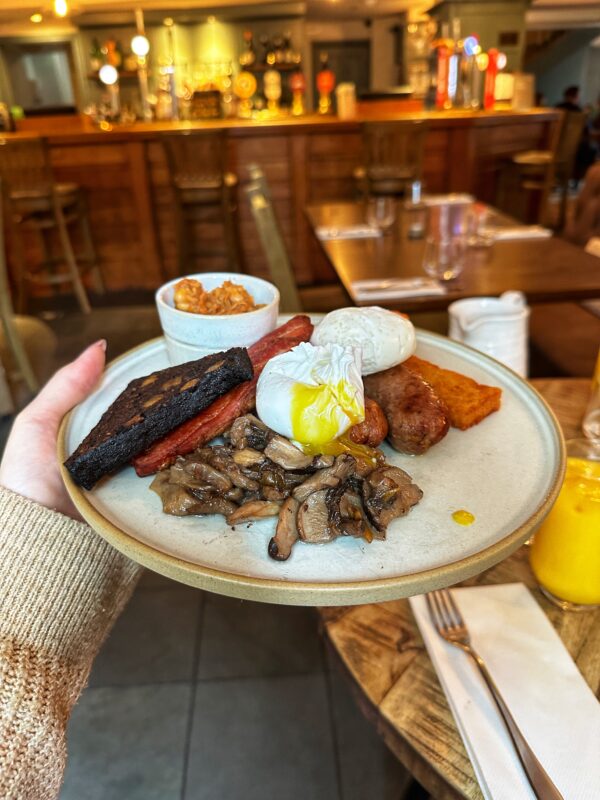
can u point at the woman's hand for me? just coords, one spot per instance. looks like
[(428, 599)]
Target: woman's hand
[(30, 465)]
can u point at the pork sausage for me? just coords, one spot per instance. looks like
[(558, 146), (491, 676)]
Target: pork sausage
[(417, 418)]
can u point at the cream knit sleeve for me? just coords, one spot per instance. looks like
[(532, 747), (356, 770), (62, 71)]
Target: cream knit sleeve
[(61, 589)]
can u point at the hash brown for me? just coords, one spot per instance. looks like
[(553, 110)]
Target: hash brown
[(468, 402)]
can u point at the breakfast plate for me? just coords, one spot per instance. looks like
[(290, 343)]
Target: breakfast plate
[(506, 472)]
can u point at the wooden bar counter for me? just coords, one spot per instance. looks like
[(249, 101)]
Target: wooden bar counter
[(306, 160)]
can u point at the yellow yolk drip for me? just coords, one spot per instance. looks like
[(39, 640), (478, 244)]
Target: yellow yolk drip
[(313, 411), (343, 445), (463, 517)]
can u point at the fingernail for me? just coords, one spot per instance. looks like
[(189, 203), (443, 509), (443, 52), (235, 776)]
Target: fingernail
[(101, 343)]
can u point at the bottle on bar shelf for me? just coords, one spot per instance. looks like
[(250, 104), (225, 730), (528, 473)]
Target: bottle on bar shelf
[(455, 45), (96, 57), (444, 47), (248, 57)]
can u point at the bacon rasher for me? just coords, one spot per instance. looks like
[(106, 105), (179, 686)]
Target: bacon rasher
[(218, 417)]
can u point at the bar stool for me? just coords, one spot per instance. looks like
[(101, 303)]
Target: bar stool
[(393, 156), (526, 184), (36, 203), (204, 191)]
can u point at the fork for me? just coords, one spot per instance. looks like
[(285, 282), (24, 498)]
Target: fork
[(450, 625)]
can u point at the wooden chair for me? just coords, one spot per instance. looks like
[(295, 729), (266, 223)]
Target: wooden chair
[(526, 184), (36, 203), (11, 334), (585, 222), (314, 298), (204, 191), (393, 156)]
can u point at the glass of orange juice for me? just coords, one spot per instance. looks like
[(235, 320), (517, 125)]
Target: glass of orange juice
[(565, 553)]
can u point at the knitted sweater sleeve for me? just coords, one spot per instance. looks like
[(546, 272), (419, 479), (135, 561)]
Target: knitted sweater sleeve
[(61, 589)]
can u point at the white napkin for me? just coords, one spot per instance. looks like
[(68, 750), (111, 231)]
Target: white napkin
[(545, 692), (358, 231), (454, 198), (395, 288), (516, 232)]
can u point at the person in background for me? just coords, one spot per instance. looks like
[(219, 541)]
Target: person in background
[(63, 588), (570, 101), (586, 152)]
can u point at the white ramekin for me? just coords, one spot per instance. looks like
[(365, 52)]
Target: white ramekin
[(190, 336)]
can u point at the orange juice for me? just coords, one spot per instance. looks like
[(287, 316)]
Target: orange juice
[(565, 554)]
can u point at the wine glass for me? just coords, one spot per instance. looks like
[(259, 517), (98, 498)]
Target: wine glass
[(381, 212)]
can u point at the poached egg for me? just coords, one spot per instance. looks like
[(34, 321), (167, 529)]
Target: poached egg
[(384, 338), (312, 394)]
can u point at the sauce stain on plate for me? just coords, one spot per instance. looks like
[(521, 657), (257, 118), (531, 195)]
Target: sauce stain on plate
[(463, 517)]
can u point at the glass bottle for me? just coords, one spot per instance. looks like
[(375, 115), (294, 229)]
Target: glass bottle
[(95, 55), (248, 57), (416, 212)]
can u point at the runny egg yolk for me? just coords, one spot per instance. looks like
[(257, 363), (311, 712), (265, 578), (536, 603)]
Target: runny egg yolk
[(315, 411), (463, 517)]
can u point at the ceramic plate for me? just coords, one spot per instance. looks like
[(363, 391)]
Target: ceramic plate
[(506, 471)]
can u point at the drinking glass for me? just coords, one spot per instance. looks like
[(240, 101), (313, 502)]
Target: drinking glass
[(381, 212), (415, 212), (591, 419), (565, 552), (477, 226), (445, 244), (444, 257)]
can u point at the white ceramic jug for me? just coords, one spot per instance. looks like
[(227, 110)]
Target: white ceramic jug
[(497, 326)]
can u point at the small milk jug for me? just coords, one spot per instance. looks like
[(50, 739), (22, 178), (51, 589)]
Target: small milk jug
[(497, 326)]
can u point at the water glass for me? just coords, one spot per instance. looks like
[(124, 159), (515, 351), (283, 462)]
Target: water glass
[(444, 256), (381, 212), (477, 226), (591, 419), (565, 552)]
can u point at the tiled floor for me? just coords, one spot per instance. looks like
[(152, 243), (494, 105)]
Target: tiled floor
[(201, 697)]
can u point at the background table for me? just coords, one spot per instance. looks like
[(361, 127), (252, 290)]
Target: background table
[(379, 647), (545, 270)]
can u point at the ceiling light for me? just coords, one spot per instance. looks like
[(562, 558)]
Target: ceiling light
[(108, 74), (61, 9), (168, 22), (211, 20), (36, 18), (140, 45)]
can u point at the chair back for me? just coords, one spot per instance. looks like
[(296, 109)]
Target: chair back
[(393, 153), (196, 159), (6, 309), (568, 141), (280, 268), (25, 166), (585, 223)]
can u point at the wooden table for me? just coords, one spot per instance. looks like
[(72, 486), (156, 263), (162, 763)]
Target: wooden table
[(379, 647), (545, 270)]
